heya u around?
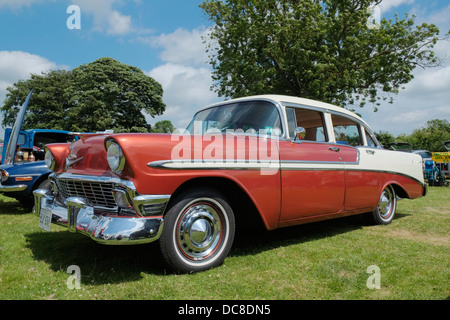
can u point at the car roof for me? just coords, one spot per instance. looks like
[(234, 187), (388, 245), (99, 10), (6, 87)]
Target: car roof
[(285, 100)]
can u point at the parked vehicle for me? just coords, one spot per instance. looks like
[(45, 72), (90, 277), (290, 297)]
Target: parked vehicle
[(23, 168), (442, 159), (434, 175), (290, 160), (399, 146)]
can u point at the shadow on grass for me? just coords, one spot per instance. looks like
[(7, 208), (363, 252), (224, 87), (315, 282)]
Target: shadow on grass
[(102, 264), (99, 264), (11, 206), (252, 241)]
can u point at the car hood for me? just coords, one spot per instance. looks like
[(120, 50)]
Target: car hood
[(11, 147)]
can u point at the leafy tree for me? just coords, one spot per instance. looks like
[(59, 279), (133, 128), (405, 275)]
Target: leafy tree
[(48, 105), (384, 137), (431, 137), (324, 50), (101, 95), (163, 126), (106, 94)]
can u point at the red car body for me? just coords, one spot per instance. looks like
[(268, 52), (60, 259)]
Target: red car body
[(190, 187)]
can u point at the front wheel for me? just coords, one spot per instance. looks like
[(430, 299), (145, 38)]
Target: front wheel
[(387, 204), (198, 231)]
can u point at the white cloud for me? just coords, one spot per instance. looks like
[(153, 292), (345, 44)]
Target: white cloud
[(185, 75), (425, 98), (19, 65), (16, 4), (105, 18), (186, 90), (181, 46), (387, 5)]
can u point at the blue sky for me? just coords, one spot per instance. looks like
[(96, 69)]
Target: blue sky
[(163, 39)]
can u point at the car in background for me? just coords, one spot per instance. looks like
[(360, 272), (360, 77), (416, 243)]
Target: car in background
[(398, 146), (425, 154), (22, 166)]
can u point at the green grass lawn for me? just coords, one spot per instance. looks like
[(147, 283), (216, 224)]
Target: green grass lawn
[(326, 260)]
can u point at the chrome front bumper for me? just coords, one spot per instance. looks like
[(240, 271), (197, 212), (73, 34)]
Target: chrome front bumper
[(79, 216), (12, 188)]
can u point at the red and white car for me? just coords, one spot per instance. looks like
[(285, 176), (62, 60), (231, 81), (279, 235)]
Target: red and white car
[(289, 160)]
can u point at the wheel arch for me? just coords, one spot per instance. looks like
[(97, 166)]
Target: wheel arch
[(245, 210)]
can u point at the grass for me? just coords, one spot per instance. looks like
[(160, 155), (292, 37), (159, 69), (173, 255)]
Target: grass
[(326, 260)]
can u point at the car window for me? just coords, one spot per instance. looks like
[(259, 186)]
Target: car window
[(370, 141), (424, 154), (43, 138), (249, 117), (346, 131), (312, 121)]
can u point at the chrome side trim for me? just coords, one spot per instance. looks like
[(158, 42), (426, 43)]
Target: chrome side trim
[(248, 165), (222, 164)]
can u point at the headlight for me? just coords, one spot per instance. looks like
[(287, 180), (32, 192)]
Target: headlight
[(4, 175), (114, 154), (49, 160)]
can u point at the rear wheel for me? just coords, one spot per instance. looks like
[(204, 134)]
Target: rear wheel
[(387, 204), (198, 231)]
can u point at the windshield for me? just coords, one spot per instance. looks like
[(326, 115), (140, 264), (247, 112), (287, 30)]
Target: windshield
[(253, 117)]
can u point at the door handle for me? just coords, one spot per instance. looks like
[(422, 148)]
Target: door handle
[(372, 152), (335, 149)]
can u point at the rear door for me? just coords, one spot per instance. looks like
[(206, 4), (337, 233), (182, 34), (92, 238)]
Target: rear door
[(362, 162)]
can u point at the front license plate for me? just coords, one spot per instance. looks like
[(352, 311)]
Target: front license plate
[(45, 219)]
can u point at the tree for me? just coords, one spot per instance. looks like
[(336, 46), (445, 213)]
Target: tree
[(384, 137), (431, 137), (163, 126), (48, 105), (101, 95), (324, 50)]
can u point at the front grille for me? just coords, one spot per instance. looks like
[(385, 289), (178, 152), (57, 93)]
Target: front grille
[(98, 193)]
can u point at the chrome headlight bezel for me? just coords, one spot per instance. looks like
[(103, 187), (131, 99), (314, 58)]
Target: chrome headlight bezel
[(115, 157), (49, 159), (4, 175)]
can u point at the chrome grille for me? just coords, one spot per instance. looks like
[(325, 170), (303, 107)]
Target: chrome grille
[(98, 193)]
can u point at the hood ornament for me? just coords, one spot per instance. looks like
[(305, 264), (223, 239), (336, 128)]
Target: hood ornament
[(72, 159)]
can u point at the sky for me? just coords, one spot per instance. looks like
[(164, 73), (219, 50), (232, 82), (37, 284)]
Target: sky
[(164, 39)]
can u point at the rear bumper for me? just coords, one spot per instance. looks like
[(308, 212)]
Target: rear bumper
[(78, 216)]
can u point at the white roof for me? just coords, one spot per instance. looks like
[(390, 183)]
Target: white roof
[(282, 99)]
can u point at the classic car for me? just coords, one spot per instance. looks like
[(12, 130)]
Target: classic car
[(289, 160), (22, 168)]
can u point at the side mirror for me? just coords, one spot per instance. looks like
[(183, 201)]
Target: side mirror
[(299, 133)]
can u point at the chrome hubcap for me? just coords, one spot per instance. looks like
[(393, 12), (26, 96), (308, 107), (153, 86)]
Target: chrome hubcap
[(199, 231), (385, 205)]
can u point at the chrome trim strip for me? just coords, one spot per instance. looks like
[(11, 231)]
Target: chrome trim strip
[(213, 164), (245, 165)]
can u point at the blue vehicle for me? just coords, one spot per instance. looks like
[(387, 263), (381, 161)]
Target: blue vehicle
[(22, 166)]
